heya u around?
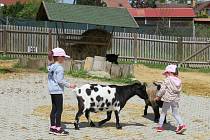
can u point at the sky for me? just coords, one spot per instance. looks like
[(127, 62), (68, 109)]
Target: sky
[(68, 1)]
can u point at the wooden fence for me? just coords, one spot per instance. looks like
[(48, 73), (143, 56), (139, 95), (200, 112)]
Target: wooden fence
[(20, 41)]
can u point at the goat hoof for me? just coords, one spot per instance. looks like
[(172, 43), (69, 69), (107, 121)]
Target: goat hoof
[(76, 127), (92, 124), (119, 127)]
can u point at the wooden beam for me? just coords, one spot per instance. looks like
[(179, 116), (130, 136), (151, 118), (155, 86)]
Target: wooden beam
[(135, 47), (50, 40), (58, 36), (5, 41)]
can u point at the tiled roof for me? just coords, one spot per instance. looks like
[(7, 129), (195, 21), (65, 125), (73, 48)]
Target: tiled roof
[(117, 3), (162, 12)]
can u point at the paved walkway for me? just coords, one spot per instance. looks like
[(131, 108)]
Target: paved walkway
[(20, 96)]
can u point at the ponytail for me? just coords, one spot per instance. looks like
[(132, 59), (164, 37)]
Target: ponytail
[(50, 55)]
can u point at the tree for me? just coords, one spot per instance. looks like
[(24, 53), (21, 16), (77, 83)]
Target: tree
[(26, 11), (142, 3), (91, 2)]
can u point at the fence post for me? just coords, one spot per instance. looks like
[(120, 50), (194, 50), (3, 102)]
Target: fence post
[(135, 47), (50, 40), (179, 56), (5, 41)]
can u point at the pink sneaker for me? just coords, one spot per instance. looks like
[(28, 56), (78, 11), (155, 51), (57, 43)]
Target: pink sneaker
[(181, 129), (177, 128), (159, 129)]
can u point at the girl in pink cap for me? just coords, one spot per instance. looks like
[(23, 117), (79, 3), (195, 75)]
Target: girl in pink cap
[(56, 84), (170, 95)]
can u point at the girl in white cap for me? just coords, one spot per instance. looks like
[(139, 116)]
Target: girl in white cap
[(56, 84), (170, 95)]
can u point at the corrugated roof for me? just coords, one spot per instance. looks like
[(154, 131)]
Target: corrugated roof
[(162, 12), (119, 17), (10, 2), (117, 3)]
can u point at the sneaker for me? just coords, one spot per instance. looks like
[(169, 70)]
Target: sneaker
[(177, 128), (61, 132), (159, 129), (51, 131), (182, 128)]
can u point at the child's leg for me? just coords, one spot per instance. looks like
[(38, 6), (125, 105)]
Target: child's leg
[(165, 108), (175, 107), (53, 111), (59, 109)]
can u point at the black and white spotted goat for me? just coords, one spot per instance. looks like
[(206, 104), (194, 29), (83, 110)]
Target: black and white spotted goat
[(96, 98)]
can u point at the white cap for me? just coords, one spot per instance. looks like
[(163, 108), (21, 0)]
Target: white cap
[(59, 52), (170, 68)]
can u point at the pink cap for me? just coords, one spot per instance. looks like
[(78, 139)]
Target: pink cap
[(170, 68), (59, 52)]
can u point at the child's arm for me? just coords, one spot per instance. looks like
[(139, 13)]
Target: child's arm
[(60, 77), (162, 90)]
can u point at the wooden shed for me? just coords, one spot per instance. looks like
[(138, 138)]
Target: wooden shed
[(92, 42)]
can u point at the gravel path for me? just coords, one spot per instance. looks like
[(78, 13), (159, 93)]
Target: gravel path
[(19, 97)]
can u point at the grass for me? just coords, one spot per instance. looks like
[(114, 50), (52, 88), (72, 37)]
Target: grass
[(5, 57), (43, 69), (83, 74), (162, 67), (3, 71)]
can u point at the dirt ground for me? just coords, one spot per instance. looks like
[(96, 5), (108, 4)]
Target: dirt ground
[(194, 83), (8, 63), (25, 106)]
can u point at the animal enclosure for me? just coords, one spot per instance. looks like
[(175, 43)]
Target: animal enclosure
[(20, 41)]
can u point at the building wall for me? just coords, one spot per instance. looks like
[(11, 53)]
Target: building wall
[(174, 22)]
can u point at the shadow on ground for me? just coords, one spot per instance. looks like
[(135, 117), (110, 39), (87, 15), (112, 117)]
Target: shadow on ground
[(167, 125), (109, 124)]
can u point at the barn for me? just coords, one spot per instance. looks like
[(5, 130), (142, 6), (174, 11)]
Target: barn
[(92, 42)]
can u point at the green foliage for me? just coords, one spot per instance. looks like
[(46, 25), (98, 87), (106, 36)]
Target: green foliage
[(12, 10), (44, 69), (162, 1), (142, 4), (3, 71), (92, 2), (202, 30), (29, 11), (202, 14), (83, 74), (5, 57), (26, 11)]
